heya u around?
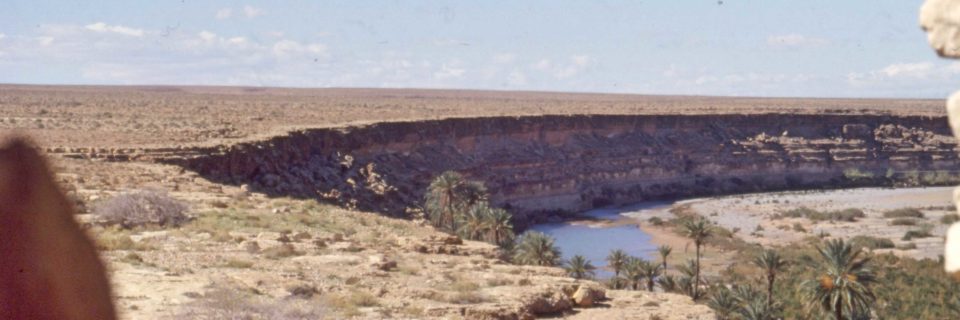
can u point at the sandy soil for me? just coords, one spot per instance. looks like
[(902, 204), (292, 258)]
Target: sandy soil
[(157, 116), (746, 213)]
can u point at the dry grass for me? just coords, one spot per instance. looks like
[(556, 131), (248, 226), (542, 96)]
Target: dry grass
[(231, 303), (349, 303)]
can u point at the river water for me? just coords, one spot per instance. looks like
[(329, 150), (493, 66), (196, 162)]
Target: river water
[(603, 230)]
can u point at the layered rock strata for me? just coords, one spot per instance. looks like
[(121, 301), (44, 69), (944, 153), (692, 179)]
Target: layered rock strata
[(542, 165)]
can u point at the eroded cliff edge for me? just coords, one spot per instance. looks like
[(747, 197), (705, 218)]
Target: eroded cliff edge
[(542, 165)]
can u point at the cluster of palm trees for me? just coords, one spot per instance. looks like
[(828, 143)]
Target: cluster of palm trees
[(636, 273), (460, 206), (842, 289), (746, 301)]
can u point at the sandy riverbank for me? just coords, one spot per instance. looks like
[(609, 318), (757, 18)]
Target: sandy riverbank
[(755, 217)]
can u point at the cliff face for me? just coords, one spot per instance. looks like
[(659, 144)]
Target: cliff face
[(533, 165)]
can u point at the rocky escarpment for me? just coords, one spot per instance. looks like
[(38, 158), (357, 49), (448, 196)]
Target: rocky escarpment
[(550, 164)]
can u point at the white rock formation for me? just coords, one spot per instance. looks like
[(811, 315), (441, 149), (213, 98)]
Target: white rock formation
[(941, 20)]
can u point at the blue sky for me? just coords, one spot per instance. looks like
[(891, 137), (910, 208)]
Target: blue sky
[(810, 48)]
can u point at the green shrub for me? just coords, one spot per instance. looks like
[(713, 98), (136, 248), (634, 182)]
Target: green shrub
[(908, 246), (949, 218), (799, 227), (873, 242), (903, 222), (915, 234), (800, 212), (903, 213), (655, 221), (848, 214)]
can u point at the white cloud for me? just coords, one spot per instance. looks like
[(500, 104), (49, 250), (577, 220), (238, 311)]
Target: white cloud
[(580, 60), (908, 71), (504, 58), (543, 64), (2, 36), (908, 79), (448, 72), (118, 29), (224, 13), (795, 41), (237, 40), (577, 64), (517, 78), (207, 35), (449, 43), (916, 70), (290, 48), (45, 41), (252, 12)]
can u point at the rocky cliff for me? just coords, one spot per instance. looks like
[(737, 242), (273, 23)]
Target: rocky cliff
[(541, 165)]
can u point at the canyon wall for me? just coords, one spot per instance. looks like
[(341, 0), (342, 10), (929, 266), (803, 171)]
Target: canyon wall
[(539, 166)]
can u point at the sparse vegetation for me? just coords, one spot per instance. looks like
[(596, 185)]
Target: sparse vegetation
[(141, 208), (872, 242), (281, 251), (915, 234), (848, 214), (903, 213), (857, 175), (903, 222), (950, 218)]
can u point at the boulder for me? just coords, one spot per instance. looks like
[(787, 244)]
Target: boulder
[(586, 296), (490, 313), (549, 301)]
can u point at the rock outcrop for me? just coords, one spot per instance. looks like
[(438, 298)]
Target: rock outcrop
[(941, 20), (555, 164)]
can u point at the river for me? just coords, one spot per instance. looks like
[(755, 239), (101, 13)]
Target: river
[(603, 230)]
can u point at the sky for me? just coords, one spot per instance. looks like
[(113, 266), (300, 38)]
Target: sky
[(810, 48)]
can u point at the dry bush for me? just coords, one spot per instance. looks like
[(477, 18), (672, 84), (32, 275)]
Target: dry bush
[(349, 303), (224, 303), (282, 251), (144, 207), (903, 213)]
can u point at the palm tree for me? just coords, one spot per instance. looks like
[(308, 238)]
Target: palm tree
[(685, 282), (668, 283), (449, 196), (771, 263), (757, 309), (844, 283), (723, 302), (745, 294), (697, 230), (616, 260), (473, 192), (633, 272), (665, 251), (650, 271), (499, 226), (579, 267), (474, 222), (444, 198), (536, 248)]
